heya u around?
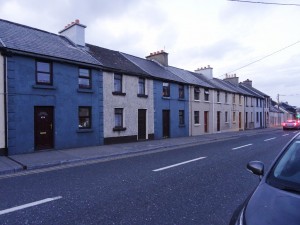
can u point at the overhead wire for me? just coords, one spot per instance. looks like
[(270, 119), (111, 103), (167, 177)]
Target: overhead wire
[(266, 3)]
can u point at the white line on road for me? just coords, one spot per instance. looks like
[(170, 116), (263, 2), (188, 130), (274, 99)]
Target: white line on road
[(29, 205), (285, 135), (241, 147), (270, 139), (178, 164)]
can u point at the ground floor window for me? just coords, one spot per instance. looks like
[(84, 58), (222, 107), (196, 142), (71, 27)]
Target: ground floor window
[(181, 117), (118, 117), (85, 117), (196, 117)]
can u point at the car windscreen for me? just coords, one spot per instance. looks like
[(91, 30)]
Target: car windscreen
[(286, 172)]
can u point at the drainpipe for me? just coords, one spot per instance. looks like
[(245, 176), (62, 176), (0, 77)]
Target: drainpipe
[(5, 102), (213, 117)]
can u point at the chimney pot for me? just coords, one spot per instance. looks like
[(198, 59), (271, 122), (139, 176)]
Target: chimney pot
[(77, 21)]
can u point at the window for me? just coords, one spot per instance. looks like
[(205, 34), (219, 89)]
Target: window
[(246, 101), (226, 117), (166, 89), (142, 90), (251, 116), (85, 120), (43, 73), (118, 118), (257, 117), (196, 93), (233, 98), (240, 99), (218, 96), (84, 78), (233, 117), (257, 102), (226, 97), (206, 94), (118, 83), (181, 117), (181, 91), (196, 117), (251, 99)]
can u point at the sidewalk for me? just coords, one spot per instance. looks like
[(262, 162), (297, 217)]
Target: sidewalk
[(44, 159)]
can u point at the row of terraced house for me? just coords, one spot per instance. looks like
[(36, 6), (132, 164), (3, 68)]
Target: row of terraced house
[(59, 92)]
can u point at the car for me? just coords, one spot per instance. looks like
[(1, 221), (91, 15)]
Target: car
[(276, 199), (291, 124)]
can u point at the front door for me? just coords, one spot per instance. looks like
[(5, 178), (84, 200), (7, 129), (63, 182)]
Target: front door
[(142, 124), (206, 121), (240, 120), (218, 121), (166, 123), (246, 121), (43, 127)]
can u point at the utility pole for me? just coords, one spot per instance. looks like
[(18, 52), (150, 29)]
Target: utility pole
[(278, 99)]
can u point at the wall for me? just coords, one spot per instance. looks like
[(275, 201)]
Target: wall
[(2, 106), (174, 105), (64, 96), (130, 104)]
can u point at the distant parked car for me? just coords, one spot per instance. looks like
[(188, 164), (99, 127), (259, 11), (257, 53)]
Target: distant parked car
[(276, 200), (291, 124)]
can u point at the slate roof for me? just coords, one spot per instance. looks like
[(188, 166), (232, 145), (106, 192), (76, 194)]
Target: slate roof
[(253, 90), (114, 60), (188, 76), (30, 40), (218, 84), (154, 69), (275, 109), (235, 88), (287, 107)]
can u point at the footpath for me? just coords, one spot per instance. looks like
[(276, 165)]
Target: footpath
[(51, 158)]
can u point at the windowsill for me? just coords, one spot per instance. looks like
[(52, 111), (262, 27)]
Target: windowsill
[(197, 125), (118, 93), (167, 98), (227, 122), (207, 101), (119, 128), (83, 130), (41, 86), (142, 96), (181, 125), (219, 102), (85, 90), (181, 99), (233, 122)]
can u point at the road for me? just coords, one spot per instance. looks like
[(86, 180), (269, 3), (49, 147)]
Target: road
[(193, 185)]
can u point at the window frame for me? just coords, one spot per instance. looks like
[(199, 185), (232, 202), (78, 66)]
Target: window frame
[(89, 78), (37, 72), (89, 108), (180, 91), (120, 112), (206, 95), (166, 90), (181, 117), (143, 85), (197, 92), (196, 116), (218, 96), (118, 78)]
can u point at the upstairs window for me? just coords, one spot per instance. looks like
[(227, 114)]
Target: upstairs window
[(118, 83), (196, 93), (226, 97), (84, 78), (218, 96), (43, 73), (233, 99), (141, 90), (166, 89), (240, 99), (206, 94), (85, 120), (181, 91)]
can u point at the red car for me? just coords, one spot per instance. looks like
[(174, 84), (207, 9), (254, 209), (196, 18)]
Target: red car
[(291, 124)]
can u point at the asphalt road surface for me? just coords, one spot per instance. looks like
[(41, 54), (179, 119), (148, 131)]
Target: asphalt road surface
[(193, 185)]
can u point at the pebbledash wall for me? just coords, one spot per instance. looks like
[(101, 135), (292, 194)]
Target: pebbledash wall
[(173, 104), (130, 103), (2, 105), (65, 98)]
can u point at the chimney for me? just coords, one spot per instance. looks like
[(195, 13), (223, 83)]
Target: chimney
[(159, 56), (232, 79), (75, 32), (248, 83), (206, 71)]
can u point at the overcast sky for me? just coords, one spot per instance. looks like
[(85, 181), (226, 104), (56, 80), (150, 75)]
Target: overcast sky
[(224, 34)]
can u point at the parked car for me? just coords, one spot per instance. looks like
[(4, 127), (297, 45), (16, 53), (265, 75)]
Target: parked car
[(291, 124), (276, 200)]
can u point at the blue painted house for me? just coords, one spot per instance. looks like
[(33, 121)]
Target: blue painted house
[(53, 90), (171, 96)]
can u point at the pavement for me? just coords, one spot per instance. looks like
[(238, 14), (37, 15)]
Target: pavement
[(51, 158)]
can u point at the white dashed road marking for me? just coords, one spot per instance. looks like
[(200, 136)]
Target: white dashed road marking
[(285, 135), (270, 139), (242, 146), (178, 164), (29, 205)]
